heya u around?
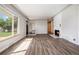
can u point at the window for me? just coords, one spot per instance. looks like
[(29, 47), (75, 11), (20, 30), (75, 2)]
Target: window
[(8, 24), (15, 24)]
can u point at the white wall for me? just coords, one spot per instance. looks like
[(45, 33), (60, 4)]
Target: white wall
[(21, 34), (78, 23), (22, 26), (57, 22), (69, 23), (40, 26)]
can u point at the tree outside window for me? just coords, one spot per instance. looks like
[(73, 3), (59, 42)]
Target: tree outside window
[(7, 24)]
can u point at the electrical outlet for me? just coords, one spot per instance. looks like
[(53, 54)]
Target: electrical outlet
[(74, 39)]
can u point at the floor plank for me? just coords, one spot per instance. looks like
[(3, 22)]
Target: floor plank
[(43, 45)]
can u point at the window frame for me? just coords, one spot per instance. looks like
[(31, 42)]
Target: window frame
[(8, 13)]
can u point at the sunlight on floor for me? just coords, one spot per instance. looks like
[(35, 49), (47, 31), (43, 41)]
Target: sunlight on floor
[(21, 49), (54, 36)]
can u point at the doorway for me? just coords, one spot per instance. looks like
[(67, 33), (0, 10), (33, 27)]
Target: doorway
[(49, 27), (26, 28)]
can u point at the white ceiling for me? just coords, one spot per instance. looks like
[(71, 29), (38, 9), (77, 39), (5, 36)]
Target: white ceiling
[(40, 11)]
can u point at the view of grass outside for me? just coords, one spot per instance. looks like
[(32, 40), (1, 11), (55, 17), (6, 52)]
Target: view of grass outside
[(4, 34), (7, 25)]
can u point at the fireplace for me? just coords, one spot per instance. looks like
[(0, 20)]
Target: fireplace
[(57, 32)]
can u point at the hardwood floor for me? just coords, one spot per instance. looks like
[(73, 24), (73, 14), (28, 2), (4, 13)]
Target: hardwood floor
[(42, 45)]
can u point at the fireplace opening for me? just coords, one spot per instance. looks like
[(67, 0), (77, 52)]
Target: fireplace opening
[(57, 32)]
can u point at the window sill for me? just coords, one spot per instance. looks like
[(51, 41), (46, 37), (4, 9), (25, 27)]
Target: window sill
[(9, 37)]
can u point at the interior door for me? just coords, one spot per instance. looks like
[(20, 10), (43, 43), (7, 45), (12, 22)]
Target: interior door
[(49, 27)]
